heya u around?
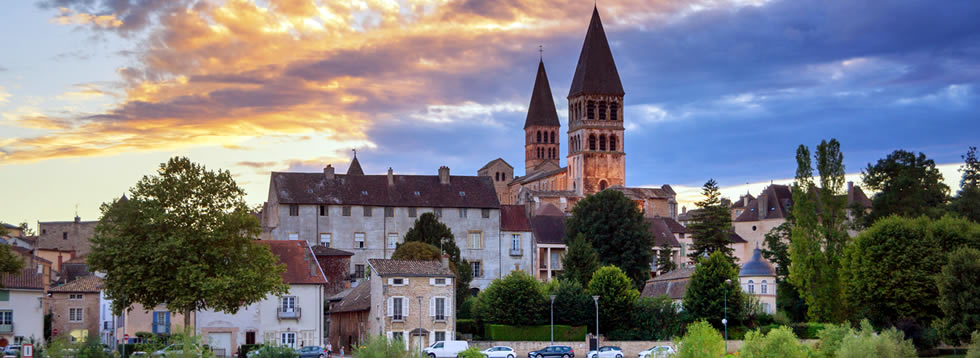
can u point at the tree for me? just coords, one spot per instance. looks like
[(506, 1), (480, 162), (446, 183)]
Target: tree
[(616, 296), (10, 262), (775, 248), (26, 229), (778, 343), (701, 340), (580, 261), (906, 185), (967, 201), (652, 319), (573, 306), (3, 229), (665, 258), (959, 296), (615, 227), (888, 271), (185, 237), (712, 225), (516, 299), (707, 291), (429, 230), (416, 250)]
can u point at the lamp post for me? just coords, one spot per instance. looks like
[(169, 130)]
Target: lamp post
[(724, 321), (552, 319), (420, 322), (596, 299)]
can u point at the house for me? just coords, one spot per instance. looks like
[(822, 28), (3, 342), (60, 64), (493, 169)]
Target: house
[(60, 241), (335, 265), (369, 215), (294, 319), (22, 306), (412, 300), (518, 242), (138, 318), (349, 318), (672, 284), (667, 232), (74, 308), (758, 279), (548, 228), (652, 202)]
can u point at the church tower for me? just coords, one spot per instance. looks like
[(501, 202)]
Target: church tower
[(596, 156), (541, 137)]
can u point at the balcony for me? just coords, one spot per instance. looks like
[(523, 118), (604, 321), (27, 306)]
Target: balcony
[(516, 252), (289, 314), (7, 328)]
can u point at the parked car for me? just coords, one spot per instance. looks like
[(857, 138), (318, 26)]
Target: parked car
[(12, 351), (499, 352), (606, 352), (657, 352), (445, 349), (312, 352), (174, 349), (553, 351)]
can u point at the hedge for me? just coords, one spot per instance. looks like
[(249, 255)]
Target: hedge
[(469, 326), (245, 348), (499, 332), (130, 348)]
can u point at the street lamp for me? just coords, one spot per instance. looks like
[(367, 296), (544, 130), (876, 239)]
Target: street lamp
[(724, 321), (596, 299), (420, 322), (552, 319)]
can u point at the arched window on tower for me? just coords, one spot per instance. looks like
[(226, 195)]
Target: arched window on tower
[(590, 110), (612, 143), (591, 141), (602, 142), (552, 136), (614, 111), (602, 185), (539, 137), (602, 110), (497, 178)]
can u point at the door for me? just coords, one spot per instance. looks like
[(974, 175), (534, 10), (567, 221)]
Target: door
[(416, 341), (220, 343)]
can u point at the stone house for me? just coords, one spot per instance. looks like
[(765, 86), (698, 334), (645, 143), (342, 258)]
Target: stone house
[(758, 279), (74, 307), (349, 318), (412, 300), (139, 319), (517, 249), (60, 241), (295, 319), (22, 306), (548, 228), (673, 284), (501, 173)]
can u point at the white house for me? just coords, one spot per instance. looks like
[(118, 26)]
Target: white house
[(294, 319), (22, 307)]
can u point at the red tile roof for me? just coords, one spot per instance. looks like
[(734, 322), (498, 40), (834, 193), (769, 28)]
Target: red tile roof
[(81, 284), (387, 267), (358, 299), (27, 279), (301, 264), (514, 218)]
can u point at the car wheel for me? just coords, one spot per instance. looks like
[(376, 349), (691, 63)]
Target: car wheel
[(510, 356), (564, 356), (538, 356), (432, 355), (617, 356)]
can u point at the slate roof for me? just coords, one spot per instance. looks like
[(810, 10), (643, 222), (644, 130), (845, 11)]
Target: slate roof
[(757, 266), (301, 265), (736, 238), (355, 167), (72, 271), (548, 229), (548, 210), (664, 191), (358, 299), (329, 251), (514, 218), (373, 190), (90, 283), (596, 70), (740, 203), (778, 208), (541, 111), (538, 175), (29, 253), (687, 215), (663, 230), (388, 267), (673, 284)]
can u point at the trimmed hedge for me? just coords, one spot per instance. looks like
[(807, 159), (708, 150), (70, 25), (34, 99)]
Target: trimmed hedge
[(245, 348), (499, 332)]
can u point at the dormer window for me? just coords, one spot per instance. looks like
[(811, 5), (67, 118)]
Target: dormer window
[(417, 193), (462, 193)]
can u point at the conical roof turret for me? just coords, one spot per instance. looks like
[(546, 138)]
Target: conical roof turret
[(596, 70), (541, 111)]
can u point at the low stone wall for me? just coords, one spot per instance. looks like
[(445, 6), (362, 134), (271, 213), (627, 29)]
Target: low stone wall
[(630, 348), (523, 347)]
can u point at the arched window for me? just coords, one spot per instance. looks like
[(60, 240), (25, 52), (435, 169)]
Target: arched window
[(591, 141), (539, 137), (590, 110), (765, 287), (602, 110), (552, 137), (614, 111), (602, 185), (751, 287), (602, 142), (612, 143)]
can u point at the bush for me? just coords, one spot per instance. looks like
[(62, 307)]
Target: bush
[(466, 308), (653, 319), (516, 299), (471, 352), (381, 347), (127, 348), (923, 338), (701, 341), (831, 338), (807, 330), (469, 326), (276, 351), (778, 343), (974, 350), (499, 332), (889, 343), (245, 348)]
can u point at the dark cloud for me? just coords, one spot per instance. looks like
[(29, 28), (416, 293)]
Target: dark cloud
[(136, 15)]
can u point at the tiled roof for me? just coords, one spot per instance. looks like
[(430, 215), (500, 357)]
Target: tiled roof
[(675, 226), (301, 265), (28, 253), (542, 110), (858, 196), (514, 218), (681, 273), (661, 232), (664, 191), (548, 229), (538, 175), (548, 210), (673, 284), (358, 299), (736, 238), (355, 167), (387, 267), (329, 251), (373, 190), (494, 161), (741, 201), (596, 70), (89, 283), (27, 279), (688, 215), (778, 200)]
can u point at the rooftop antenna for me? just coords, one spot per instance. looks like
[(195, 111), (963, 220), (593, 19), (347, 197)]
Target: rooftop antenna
[(541, 52), (355, 153)]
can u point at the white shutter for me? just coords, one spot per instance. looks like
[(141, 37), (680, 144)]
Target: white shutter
[(432, 306), (390, 336), (432, 281), (404, 306), (449, 307), (391, 281), (391, 307)]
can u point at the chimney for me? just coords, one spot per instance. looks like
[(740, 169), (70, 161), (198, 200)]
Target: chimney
[(745, 200), (444, 175), (78, 219), (391, 177), (445, 260), (328, 172), (850, 190), (684, 209), (60, 260), (763, 206)]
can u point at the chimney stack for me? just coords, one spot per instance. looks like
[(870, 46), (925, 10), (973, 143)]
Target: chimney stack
[(850, 189), (763, 206), (684, 209), (444, 175), (445, 260), (78, 219), (745, 200), (391, 177), (328, 172)]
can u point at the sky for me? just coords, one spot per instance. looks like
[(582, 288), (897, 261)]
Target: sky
[(95, 94)]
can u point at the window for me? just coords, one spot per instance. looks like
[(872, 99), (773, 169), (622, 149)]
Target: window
[(392, 240), (477, 268), (64, 235), (6, 318), (412, 212), (438, 212), (293, 236), (555, 261), (765, 287), (539, 137), (75, 296), (397, 308), (476, 240), (367, 211), (439, 309), (592, 142), (74, 315), (552, 137), (440, 336), (358, 240), (602, 142), (325, 239), (323, 210), (614, 111), (515, 242), (438, 282), (397, 282), (602, 110), (293, 210), (250, 337), (359, 271), (288, 339), (462, 212), (389, 212), (485, 213), (346, 211), (398, 336), (590, 110), (765, 307), (751, 286), (288, 303), (612, 143), (602, 185)]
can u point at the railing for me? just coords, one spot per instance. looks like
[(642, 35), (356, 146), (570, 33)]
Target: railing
[(289, 314), (7, 328), (516, 252)]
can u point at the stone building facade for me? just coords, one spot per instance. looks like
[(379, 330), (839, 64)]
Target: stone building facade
[(60, 241), (75, 308), (412, 300)]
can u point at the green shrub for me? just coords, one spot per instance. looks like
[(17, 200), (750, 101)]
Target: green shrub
[(469, 326), (126, 349), (59, 347), (830, 339), (381, 347), (974, 350), (653, 319), (890, 343), (778, 343), (245, 348), (471, 352), (807, 330), (275, 351), (701, 341), (466, 309), (499, 332)]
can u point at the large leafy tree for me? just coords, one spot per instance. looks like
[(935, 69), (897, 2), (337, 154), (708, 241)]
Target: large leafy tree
[(652, 319), (516, 299), (615, 227), (616, 297), (776, 249), (416, 250), (707, 290), (428, 229), (580, 261), (959, 296), (185, 237), (573, 306), (10, 262), (906, 184), (967, 201), (712, 225)]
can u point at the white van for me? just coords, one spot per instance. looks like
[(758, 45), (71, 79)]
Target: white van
[(445, 349)]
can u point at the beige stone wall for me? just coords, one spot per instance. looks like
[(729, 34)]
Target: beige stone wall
[(754, 236), (417, 286), (60, 303), (523, 347)]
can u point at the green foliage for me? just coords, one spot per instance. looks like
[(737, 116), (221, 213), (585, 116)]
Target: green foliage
[(700, 341), (952, 232), (540, 333), (651, 319), (469, 326), (889, 268), (665, 258), (277, 351), (381, 347), (471, 352), (416, 250), (706, 294), (91, 348), (616, 297), (516, 299), (974, 350), (430, 230), (59, 347), (831, 337), (245, 348), (615, 227), (580, 261), (967, 201), (712, 225), (776, 250), (778, 343), (573, 306), (466, 308), (905, 185), (184, 238), (959, 296), (889, 343), (10, 262)]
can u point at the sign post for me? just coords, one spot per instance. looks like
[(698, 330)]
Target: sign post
[(125, 342)]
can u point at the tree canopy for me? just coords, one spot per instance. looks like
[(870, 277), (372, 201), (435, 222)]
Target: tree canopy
[(707, 290), (711, 225), (959, 296), (580, 261), (428, 229), (616, 296), (614, 226), (10, 262), (416, 250), (184, 237), (967, 201), (665, 258), (775, 248), (573, 306), (906, 184), (516, 299)]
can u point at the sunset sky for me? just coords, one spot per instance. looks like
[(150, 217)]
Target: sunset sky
[(96, 93)]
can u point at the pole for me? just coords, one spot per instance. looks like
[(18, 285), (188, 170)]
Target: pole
[(552, 319), (596, 299), (724, 321), (420, 322)]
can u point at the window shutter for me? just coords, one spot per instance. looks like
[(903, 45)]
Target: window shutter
[(391, 281), (167, 323), (391, 306), (432, 281), (432, 306), (449, 306), (405, 306), (155, 322)]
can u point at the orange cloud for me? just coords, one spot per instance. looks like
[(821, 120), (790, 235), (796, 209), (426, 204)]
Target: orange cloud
[(69, 17)]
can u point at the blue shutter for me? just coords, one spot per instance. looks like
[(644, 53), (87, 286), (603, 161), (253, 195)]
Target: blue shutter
[(155, 322), (168, 322)]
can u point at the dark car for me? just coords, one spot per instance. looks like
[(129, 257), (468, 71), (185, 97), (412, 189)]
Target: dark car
[(553, 351)]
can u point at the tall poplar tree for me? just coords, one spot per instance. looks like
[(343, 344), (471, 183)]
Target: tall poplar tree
[(580, 261), (712, 225), (665, 258), (967, 201)]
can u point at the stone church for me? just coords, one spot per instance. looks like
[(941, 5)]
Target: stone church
[(596, 156)]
